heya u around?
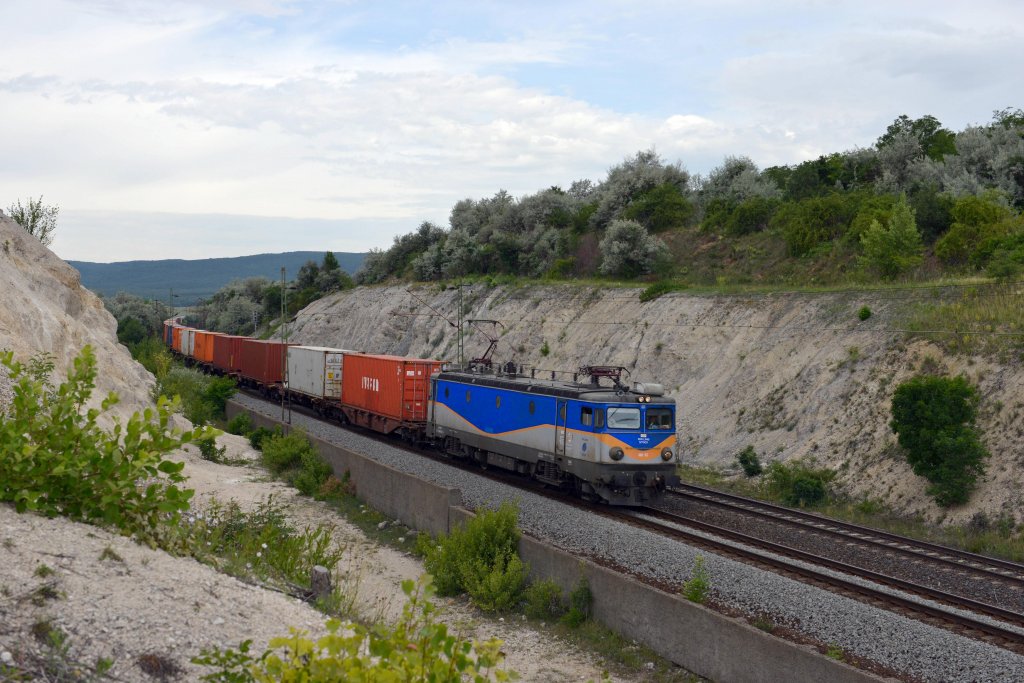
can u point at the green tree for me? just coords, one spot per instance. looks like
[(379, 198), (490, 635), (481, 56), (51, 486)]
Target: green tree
[(660, 209), (934, 418), (975, 220), (37, 218), (895, 248), (935, 140), (330, 262)]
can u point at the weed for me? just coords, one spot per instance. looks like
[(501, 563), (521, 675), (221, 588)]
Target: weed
[(43, 571), (543, 600), (545, 349), (581, 599), (110, 554), (44, 593), (835, 652), (8, 544), (696, 588), (797, 483), (260, 434), (158, 666), (764, 623), (209, 451), (864, 313)]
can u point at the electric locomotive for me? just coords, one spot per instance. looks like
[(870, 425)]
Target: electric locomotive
[(615, 443)]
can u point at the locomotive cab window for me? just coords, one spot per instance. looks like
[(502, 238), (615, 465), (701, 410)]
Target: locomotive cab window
[(623, 418), (586, 416), (599, 418), (659, 418)]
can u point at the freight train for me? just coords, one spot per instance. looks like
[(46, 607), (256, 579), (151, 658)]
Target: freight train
[(594, 435)]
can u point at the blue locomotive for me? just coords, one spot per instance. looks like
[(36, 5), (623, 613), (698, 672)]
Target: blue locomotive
[(611, 443)]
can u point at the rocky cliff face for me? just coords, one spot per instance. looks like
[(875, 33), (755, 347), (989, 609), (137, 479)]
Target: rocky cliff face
[(796, 376), (44, 308)]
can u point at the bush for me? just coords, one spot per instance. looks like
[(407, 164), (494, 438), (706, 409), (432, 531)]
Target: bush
[(313, 473), (202, 397), (656, 290), (209, 451), (934, 418), (480, 558), (261, 434), (864, 313), (58, 461), (896, 247), (416, 648), (628, 251), (543, 600), (286, 451), (797, 483), (748, 460), (240, 424)]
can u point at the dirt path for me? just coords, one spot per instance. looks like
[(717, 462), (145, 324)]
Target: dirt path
[(146, 602)]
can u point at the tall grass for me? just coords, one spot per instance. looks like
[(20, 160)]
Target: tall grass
[(986, 320)]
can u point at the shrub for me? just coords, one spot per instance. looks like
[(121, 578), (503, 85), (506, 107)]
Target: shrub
[(934, 418), (661, 208), (261, 434), (696, 588), (864, 313), (240, 424), (656, 290), (748, 460), (286, 451), (543, 600), (58, 460), (416, 648), (797, 483), (480, 558), (581, 599), (313, 473), (218, 390), (628, 251), (208, 449)]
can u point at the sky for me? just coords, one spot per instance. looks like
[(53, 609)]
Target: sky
[(181, 129)]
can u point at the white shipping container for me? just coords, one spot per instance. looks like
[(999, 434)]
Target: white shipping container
[(315, 371), (188, 342)]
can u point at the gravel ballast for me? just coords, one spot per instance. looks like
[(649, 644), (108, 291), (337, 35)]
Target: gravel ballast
[(896, 642)]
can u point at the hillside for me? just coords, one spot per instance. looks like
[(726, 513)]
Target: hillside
[(194, 279), (796, 375)]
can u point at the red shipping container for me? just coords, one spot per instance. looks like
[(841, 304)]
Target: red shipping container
[(225, 352), (389, 386), (202, 349), (262, 361)]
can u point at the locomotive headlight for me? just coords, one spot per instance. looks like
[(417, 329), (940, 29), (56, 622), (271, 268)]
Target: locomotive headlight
[(616, 454), (666, 454)]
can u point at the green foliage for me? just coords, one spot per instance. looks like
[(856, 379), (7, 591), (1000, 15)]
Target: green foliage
[(203, 397), (656, 290), (240, 424), (38, 219), (697, 587), (209, 450), (261, 544), (797, 483), (283, 452), (895, 248), (58, 460), (152, 353), (935, 140), (480, 558), (934, 418), (748, 460), (417, 648), (543, 600), (261, 434), (975, 220), (810, 222), (581, 600), (659, 209), (752, 215), (312, 474), (130, 331), (545, 350)]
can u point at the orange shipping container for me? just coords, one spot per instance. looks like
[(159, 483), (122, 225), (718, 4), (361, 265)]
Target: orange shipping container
[(389, 386), (176, 338), (202, 350)]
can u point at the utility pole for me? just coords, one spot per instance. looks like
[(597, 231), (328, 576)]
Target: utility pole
[(284, 349)]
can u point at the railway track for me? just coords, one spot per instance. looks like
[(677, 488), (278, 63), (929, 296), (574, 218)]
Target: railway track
[(969, 617)]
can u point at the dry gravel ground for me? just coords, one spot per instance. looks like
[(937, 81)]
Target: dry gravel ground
[(148, 602)]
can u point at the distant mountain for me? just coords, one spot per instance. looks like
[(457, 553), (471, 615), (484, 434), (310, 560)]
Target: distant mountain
[(197, 279)]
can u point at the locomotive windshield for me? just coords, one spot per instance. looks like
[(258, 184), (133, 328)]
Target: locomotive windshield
[(659, 418), (623, 418)]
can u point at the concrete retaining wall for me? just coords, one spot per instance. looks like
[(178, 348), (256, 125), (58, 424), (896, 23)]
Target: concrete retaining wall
[(703, 641)]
